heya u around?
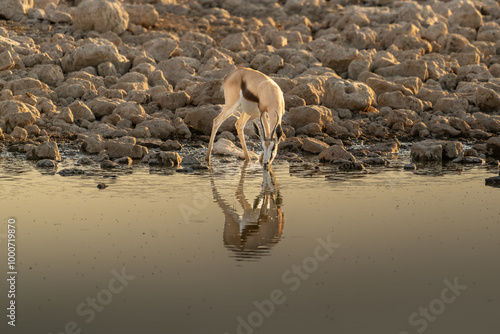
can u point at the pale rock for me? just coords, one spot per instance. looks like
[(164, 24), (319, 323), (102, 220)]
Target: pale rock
[(171, 145), (33, 130), (359, 38), (132, 81), (209, 91), (432, 94), (143, 15), (336, 154), (31, 86), (313, 145), (226, 147), (101, 16), (440, 126), (310, 92), (397, 100), (140, 132), (378, 130), (465, 14), (408, 68), (46, 150), (449, 105), (52, 75), (487, 122), (81, 111), (489, 32), (129, 110), (106, 69), (302, 116), (459, 124), (74, 91), (292, 144), (405, 117), (157, 79), (495, 69), (93, 144), (19, 133), (66, 115), (16, 113), (311, 129), (451, 43), (159, 128), (15, 9), (172, 100), (237, 42), (6, 61), (355, 96), (102, 106), (92, 53), (119, 148), (426, 151), (337, 130), (381, 85), (435, 31), (43, 4), (160, 48), (356, 67), (201, 119), (337, 57), (139, 152), (54, 15), (477, 72), (487, 99), (178, 68)]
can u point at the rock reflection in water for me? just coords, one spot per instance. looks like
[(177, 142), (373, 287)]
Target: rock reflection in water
[(251, 234)]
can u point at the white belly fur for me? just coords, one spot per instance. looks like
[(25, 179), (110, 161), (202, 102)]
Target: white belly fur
[(251, 108)]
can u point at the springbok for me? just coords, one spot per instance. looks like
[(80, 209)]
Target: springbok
[(252, 234), (259, 97)]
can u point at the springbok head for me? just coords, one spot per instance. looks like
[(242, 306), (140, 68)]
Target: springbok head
[(269, 141)]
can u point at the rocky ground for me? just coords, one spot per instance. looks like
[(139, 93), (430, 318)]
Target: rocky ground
[(141, 80)]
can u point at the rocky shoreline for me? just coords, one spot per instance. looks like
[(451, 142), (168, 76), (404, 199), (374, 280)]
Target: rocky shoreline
[(141, 80)]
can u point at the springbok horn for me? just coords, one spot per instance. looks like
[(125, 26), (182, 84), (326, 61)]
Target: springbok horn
[(276, 126), (262, 128)]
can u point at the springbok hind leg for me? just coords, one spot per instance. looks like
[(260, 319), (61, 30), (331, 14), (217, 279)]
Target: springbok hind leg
[(240, 126), (225, 113)]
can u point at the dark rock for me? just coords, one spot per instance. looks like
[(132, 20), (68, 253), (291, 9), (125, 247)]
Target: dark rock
[(190, 160), (46, 163), (171, 145), (84, 161), (102, 186), (124, 161), (185, 170), (350, 165), (71, 172), (493, 181), (376, 161), (410, 167), (108, 164)]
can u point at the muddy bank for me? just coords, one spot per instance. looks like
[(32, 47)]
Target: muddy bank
[(141, 80)]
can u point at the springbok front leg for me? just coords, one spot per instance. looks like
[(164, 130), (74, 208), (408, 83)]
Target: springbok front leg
[(226, 112), (240, 126)]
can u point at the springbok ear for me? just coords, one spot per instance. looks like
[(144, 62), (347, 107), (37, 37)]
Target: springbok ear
[(256, 129), (279, 132)]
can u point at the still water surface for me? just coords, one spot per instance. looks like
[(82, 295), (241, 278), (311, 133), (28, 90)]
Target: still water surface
[(299, 250)]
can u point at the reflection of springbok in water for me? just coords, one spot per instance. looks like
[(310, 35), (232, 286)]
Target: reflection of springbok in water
[(251, 234)]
